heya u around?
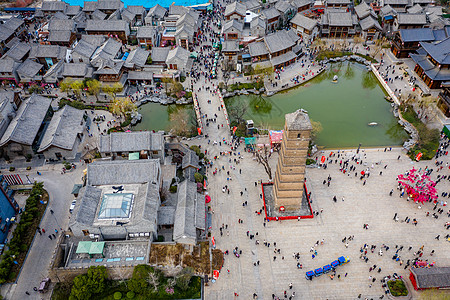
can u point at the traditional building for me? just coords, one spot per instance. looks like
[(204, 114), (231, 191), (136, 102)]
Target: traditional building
[(338, 24), (408, 40), (116, 28), (433, 63), (305, 27), (290, 173), (235, 11)]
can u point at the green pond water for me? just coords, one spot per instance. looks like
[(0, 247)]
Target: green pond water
[(156, 116), (343, 109)]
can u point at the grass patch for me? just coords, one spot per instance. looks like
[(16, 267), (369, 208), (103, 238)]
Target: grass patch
[(310, 161), (428, 138), (326, 54), (397, 288), (247, 85)]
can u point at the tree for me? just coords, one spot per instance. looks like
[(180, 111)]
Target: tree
[(154, 279), (181, 121), (166, 82), (426, 105), (122, 106), (262, 156), (237, 110), (138, 282), (94, 87), (86, 285), (184, 278), (357, 40), (176, 89), (377, 47), (112, 90), (66, 85), (77, 87)]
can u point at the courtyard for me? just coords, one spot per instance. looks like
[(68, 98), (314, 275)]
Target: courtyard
[(357, 204)]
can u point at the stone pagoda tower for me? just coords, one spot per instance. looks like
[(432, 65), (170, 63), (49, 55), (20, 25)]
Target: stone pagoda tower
[(290, 173)]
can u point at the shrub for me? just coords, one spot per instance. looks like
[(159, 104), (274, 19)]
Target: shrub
[(11, 169), (310, 161), (130, 295), (67, 165), (198, 177), (397, 288), (184, 278), (117, 295), (173, 189), (86, 285)]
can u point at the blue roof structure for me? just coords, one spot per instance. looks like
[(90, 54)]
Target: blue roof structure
[(417, 35), (439, 51), (7, 211)]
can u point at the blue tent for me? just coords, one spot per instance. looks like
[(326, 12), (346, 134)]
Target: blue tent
[(318, 272), (335, 263), (326, 268), (309, 275)]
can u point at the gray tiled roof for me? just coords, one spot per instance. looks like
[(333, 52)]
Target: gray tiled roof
[(98, 15), (415, 9), (157, 11), (131, 142), (186, 19), (59, 16), (283, 6), (252, 4), (185, 31), (123, 172), (177, 9), (166, 215), (439, 51), (72, 10), (90, 6), (29, 68), (369, 22), (127, 15), (190, 159), (110, 67), (12, 42), (18, 51), (304, 22), (405, 19), (54, 6), (363, 10), (95, 40), (63, 129), (14, 23), (387, 10), (258, 22), (235, 7), (177, 53), (110, 4), (76, 70), (5, 32), (159, 54), (59, 36), (347, 2), (270, 13), (84, 48), (417, 35), (145, 32), (50, 51), (185, 213), (298, 120), (340, 19), (278, 41), (7, 65), (257, 48), (435, 277), (283, 58), (396, 2), (230, 45), (301, 3), (25, 125), (88, 206), (136, 9), (137, 57), (140, 75), (106, 25), (238, 26)]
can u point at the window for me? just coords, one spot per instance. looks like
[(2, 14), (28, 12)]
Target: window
[(298, 135)]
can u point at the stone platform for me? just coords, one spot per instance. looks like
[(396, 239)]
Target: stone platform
[(304, 212)]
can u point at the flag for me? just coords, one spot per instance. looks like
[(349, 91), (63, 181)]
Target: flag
[(213, 241), (322, 159), (199, 130), (234, 129)]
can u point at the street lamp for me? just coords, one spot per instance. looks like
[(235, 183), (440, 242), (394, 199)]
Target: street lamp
[(357, 151)]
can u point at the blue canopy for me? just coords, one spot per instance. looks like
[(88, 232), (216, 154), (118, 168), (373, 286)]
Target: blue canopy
[(310, 273), (318, 271), (335, 263), (326, 268)]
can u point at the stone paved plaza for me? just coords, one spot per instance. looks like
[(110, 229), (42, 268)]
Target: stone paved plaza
[(364, 204)]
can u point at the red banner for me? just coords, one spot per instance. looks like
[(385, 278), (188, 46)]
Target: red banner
[(213, 241), (234, 129), (322, 160), (199, 130)]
